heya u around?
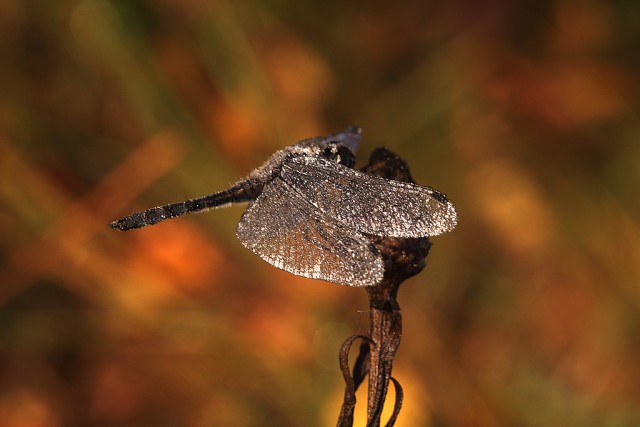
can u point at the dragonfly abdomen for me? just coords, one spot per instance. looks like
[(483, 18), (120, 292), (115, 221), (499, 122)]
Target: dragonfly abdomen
[(244, 191)]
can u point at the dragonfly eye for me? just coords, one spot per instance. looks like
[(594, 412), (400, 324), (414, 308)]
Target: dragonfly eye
[(339, 154)]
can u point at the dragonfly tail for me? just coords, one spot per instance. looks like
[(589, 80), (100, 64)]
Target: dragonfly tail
[(241, 192)]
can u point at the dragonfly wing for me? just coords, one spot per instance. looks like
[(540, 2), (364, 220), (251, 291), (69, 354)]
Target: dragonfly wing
[(369, 203), (290, 233)]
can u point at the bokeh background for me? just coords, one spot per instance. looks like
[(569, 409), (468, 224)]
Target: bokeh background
[(524, 113)]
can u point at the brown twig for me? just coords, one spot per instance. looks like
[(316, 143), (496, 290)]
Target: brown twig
[(398, 405), (403, 257), (352, 381), (386, 330)]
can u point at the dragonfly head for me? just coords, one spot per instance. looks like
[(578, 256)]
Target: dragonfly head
[(339, 153), (350, 138)]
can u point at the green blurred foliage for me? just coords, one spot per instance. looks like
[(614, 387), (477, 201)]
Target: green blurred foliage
[(525, 114)]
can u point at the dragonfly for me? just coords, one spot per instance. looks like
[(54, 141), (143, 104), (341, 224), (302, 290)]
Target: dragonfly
[(311, 214)]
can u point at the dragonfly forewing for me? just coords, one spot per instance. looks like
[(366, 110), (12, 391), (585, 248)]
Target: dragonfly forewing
[(370, 204)]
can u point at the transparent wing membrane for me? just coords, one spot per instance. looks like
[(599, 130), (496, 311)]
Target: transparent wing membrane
[(368, 203), (287, 231)]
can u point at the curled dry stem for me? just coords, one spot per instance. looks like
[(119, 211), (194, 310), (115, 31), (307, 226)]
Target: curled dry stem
[(403, 258)]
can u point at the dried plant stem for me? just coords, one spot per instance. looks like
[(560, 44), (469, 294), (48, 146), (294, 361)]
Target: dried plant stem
[(385, 333), (403, 257)]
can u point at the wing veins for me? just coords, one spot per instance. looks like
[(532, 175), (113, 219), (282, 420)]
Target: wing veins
[(370, 204), (289, 232)]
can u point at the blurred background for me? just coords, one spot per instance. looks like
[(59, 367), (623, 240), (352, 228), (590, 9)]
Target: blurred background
[(525, 114)]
